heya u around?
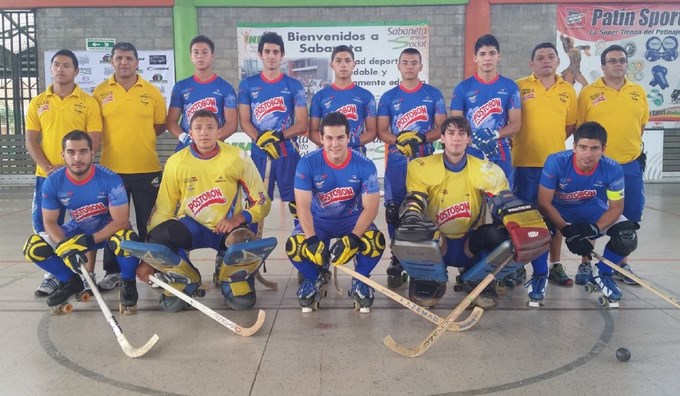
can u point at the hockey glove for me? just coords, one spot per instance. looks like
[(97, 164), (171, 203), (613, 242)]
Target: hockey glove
[(267, 137), (408, 143), (344, 249), (315, 250), (577, 238), (486, 140), (72, 250), (184, 138), (271, 151)]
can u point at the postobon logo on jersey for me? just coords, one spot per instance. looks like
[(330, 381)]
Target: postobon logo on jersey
[(411, 117), (349, 111), (86, 211), (205, 103), (494, 106), (336, 195), (269, 106), (576, 195), (210, 197), (457, 211)]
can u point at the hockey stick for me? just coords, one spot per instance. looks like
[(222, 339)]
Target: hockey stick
[(338, 289), (260, 230), (242, 331), (436, 333), (454, 326), (639, 280), (129, 350)]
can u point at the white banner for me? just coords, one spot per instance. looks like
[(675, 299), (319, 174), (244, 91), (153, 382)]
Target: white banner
[(157, 67), (307, 57)]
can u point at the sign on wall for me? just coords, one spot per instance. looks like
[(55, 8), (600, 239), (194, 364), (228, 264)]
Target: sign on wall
[(157, 67), (308, 51)]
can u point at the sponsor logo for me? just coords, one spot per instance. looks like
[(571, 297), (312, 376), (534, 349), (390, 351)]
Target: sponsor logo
[(269, 106), (108, 98), (152, 68), (493, 106), (158, 60), (349, 111), (576, 195), (414, 115), (336, 195), (458, 211), (574, 18), (43, 107), (213, 196), (599, 98), (205, 103), (88, 211)]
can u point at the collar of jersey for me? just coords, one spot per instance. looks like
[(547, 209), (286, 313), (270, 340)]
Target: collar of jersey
[(454, 167), (208, 81), (84, 181), (478, 78), (332, 165), (352, 85), (212, 154), (403, 88), (76, 91), (265, 79), (580, 172)]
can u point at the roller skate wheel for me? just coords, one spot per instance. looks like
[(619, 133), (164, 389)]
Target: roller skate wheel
[(324, 293), (589, 287), (85, 297), (306, 309), (200, 293), (458, 288), (534, 304), (365, 310), (63, 309), (602, 301)]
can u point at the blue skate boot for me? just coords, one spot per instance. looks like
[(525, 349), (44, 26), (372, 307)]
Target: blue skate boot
[(611, 294), (309, 294), (362, 295), (584, 273), (536, 287)]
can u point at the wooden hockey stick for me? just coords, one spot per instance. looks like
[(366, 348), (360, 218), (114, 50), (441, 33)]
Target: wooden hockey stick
[(242, 331), (454, 326), (339, 290), (639, 280), (260, 230), (129, 350), (436, 333)]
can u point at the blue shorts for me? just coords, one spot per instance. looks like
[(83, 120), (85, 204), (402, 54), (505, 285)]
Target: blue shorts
[(455, 253), (282, 172), (526, 184), (201, 236), (587, 212), (395, 178)]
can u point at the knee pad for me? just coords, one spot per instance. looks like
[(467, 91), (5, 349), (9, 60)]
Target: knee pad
[(239, 296), (183, 276), (36, 249), (392, 213), (171, 233), (623, 238), (293, 209), (294, 248), (372, 244), (487, 237), (119, 236)]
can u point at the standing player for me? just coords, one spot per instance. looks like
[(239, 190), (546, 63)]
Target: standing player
[(200, 202), (569, 196), (409, 117), (63, 107), (450, 190), (337, 195), (620, 106), (273, 112), (491, 104), (203, 90), (548, 118), (97, 205), (133, 111), (344, 96)]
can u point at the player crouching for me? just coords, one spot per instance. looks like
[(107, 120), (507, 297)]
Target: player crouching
[(199, 205), (98, 207), (337, 196), (450, 190)]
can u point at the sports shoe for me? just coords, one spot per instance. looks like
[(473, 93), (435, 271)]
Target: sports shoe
[(65, 291), (558, 275), (48, 285), (619, 276), (110, 282), (536, 287), (608, 286), (584, 273)]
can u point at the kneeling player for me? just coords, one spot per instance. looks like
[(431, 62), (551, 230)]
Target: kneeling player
[(450, 190), (337, 195), (199, 203), (98, 206), (568, 198)]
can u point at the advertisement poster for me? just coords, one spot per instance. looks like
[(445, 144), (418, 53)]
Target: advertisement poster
[(157, 67), (308, 50)]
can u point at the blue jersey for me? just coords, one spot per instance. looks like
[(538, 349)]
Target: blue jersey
[(412, 110), (355, 102), (87, 202), (486, 104), (336, 189), (192, 95), (272, 106), (573, 187)]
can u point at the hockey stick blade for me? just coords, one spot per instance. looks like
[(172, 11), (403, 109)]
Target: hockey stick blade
[(242, 331), (454, 326), (128, 349), (639, 280), (266, 283)]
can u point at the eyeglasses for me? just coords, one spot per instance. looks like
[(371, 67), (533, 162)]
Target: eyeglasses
[(613, 61)]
